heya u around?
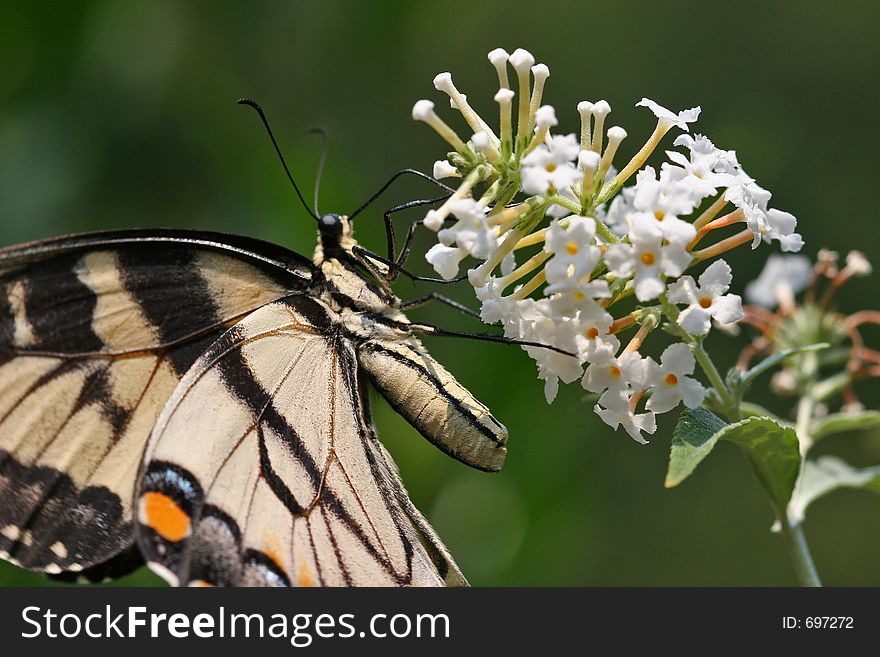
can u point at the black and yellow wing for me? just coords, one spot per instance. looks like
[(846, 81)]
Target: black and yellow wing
[(264, 468), (96, 331)]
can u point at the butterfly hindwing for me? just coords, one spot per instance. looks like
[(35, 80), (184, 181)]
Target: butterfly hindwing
[(264, 468), (95, 333)]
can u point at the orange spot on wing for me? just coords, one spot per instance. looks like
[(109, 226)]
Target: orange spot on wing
[(162, 514), (304, 575)]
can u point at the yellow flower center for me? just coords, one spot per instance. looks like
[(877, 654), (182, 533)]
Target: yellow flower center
[(579, 295), (659, 215), (705, 302), (572, 248), (592, 333), (648, 258), (670, 379), (550, 167), (614, 371)]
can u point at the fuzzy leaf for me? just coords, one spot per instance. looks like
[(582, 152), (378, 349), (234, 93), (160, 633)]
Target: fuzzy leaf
[(773, 451), (771, 447), (692, 440), (841, 422), (824, 475)]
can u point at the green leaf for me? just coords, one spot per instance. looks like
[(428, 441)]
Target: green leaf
[(692, 440), (826, 474), (771, 447), (773, 451), (775, 359), (841, 422)]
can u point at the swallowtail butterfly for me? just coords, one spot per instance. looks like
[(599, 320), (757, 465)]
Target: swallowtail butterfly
[(199, 401)]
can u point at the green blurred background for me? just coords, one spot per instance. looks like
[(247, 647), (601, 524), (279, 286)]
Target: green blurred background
[(121, 114)]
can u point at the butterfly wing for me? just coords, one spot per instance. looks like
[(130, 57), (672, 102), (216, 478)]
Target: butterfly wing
[(264, 468), (96, 331)]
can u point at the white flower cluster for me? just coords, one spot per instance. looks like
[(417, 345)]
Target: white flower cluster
[(589, 243)]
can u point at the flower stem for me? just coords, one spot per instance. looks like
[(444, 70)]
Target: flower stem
[(727, 400), (801, 559), (715, 379)]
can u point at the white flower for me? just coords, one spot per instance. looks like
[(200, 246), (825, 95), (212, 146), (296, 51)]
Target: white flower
[(568, 299), (494, 306), (706, 300), (671, 382), (443, 169), (433, 220), (766, 224), (551, 168), (647, 256), (574, 255), (858, 264), (446, 259), (679, 120), (781, 227), (665, 201), (707, 169), (610, 372), (471, 232), (522, 60), (538, 323), (545, 117), (613, 408), (422, 110), (788, 274), (620, 209)]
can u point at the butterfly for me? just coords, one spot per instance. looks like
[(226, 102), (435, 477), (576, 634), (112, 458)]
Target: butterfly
[(199, 401)]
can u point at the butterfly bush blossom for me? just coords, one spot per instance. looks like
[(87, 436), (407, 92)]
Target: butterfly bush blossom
[(564, 249)]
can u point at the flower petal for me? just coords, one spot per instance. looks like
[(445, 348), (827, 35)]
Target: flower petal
[(684, 290), (716, 280), (694, 320), (678, 358), (727, 309)]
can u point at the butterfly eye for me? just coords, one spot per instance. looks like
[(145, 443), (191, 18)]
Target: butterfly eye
[(330, 225)]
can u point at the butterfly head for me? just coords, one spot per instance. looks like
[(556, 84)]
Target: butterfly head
[(334, 232)]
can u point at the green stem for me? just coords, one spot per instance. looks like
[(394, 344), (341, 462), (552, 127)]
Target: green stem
[(793, 534), (727, 400), (801, 558), (717, 382), (604, 231), (805, 409)]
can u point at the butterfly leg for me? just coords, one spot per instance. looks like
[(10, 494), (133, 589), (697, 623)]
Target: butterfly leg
[(433, 296), (366, 255), (399, 259)]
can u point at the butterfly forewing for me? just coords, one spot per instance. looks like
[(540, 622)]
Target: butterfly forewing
[(95, 334)]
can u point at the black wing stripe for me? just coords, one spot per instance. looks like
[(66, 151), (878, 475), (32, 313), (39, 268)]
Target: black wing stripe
[(241, 382), (366, 436), (59, 306), (178, 271)]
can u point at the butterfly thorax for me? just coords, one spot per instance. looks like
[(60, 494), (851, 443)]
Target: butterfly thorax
[(343, 284)]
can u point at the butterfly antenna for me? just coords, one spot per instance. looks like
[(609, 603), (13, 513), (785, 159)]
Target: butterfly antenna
[(259, 110), (402, 172), (326, 139)]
